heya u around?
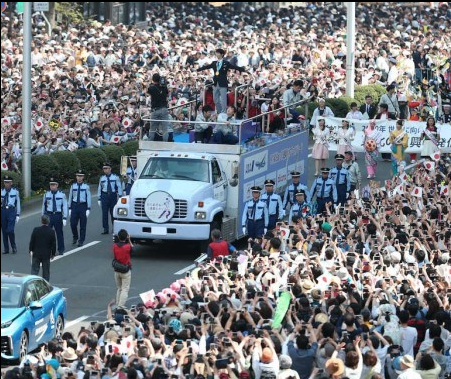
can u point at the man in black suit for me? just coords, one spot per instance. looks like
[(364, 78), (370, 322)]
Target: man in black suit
[(369, 108), (220, 83), (42, 248)]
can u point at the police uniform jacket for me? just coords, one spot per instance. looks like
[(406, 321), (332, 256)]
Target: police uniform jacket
[(131, 174), (274, 204), (261, 212), (115, 184), (330, 190), (51, 207), (290, 193), (11, 199), (80, 194), (340, 176)]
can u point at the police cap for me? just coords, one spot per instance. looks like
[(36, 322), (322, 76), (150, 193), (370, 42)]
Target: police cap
[(107, 165), (269, 182), (79, 173), (7, 179), (339, 156), (295, 174), (256, 189), (325, 170), (53, 181)]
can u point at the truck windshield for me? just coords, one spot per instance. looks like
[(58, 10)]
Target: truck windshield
[(176, 168)]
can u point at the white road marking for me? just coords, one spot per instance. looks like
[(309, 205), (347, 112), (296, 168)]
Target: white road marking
[(75, 250), (76, 321), (183, 270)]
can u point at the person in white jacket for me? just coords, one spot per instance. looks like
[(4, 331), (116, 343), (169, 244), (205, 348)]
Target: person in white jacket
[(322, 111)]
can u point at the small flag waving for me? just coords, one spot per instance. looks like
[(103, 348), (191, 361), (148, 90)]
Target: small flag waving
[(444, 191), (435, 156), (38, 125), (127, 122), (417, 192), (4, 166), (430, 166), (399, 189)]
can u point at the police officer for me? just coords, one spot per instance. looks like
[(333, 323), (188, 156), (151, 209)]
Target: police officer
[(325, 190), (293, 188), (131, 175), (342, 180), (10, 214), (79, 207), (109, 190), (301, 208), (54, 205), (273, 203), (255, 215)]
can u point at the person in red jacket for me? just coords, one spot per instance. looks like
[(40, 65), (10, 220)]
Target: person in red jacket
[(218, 246), (122, 252)]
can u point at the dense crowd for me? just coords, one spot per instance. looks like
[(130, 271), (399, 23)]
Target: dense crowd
[(89, 83), (363, 292)]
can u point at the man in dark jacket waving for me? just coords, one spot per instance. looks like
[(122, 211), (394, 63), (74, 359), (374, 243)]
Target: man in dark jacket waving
[(220, 83), (42, 248)]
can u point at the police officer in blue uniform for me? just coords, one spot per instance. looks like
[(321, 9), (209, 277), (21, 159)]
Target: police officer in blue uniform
[(342, 180), (79, 207), (131, 175), (301, 208), (325, 190), (274, 204), (54, 205), (255, 215), (293, 188), (10, 214), (109, 190)]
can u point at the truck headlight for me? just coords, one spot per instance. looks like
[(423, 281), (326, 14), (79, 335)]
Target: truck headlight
[(122, 212), (200, 215), (7, 324)]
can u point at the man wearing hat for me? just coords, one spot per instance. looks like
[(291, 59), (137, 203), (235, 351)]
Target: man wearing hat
[(220, 82), (79, 207), (10, 214), (273, 203), (445, 117), (293, 189), (300, 208), (131, 175), (54, 205), (355, 176), (108, 191), (325, 190), (341, 178), (255, 218)]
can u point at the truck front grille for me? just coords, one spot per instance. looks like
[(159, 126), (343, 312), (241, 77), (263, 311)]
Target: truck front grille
[(181, 208)]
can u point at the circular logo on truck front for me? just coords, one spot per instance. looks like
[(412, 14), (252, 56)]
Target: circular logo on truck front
[(159, 207)]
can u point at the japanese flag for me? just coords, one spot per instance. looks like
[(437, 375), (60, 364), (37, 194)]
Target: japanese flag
[(444, 191), (417, 191), (116, 139), (127, 122), (5, 121), (285, 233), (430, 166), (435, 156), (38, 125), (403, 177), (4, 166), (399, 189)]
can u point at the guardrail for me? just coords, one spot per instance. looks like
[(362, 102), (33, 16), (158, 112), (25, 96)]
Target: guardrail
[(246, 96)]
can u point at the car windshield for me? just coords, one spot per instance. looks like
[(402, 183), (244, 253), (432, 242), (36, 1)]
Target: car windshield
[(10, 295), (177, 168)]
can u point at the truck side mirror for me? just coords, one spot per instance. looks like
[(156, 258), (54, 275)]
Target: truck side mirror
[(233, 182)]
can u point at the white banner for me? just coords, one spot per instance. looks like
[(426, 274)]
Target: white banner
[(413, 129)]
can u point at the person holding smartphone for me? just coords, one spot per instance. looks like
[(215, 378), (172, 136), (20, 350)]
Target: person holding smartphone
[(122, 252)]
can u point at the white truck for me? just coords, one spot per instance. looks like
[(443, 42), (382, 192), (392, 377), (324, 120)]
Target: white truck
[(185, 190)]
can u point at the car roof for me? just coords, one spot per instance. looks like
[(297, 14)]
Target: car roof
[(12, 277)]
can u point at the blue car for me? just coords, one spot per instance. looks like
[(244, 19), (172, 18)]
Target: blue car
[(33, 312)]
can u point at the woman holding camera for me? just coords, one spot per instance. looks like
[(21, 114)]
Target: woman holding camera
[(122, 266)]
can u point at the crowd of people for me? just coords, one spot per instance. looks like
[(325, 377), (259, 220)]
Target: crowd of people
[(89, 84), (361, 290)]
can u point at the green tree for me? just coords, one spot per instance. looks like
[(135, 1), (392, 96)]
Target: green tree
[(67, 12)]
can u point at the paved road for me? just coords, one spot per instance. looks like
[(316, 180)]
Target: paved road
[(86, 272)]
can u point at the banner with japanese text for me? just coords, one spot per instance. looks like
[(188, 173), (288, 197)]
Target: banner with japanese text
[(414, 130)]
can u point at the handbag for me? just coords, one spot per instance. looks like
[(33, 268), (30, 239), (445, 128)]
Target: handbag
[(120, 267)]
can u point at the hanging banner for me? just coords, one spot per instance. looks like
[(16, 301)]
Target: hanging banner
[(414, 130)]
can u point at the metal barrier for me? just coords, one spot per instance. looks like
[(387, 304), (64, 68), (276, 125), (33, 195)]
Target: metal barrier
[(247, 85), (190, 109), (240, 123)]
